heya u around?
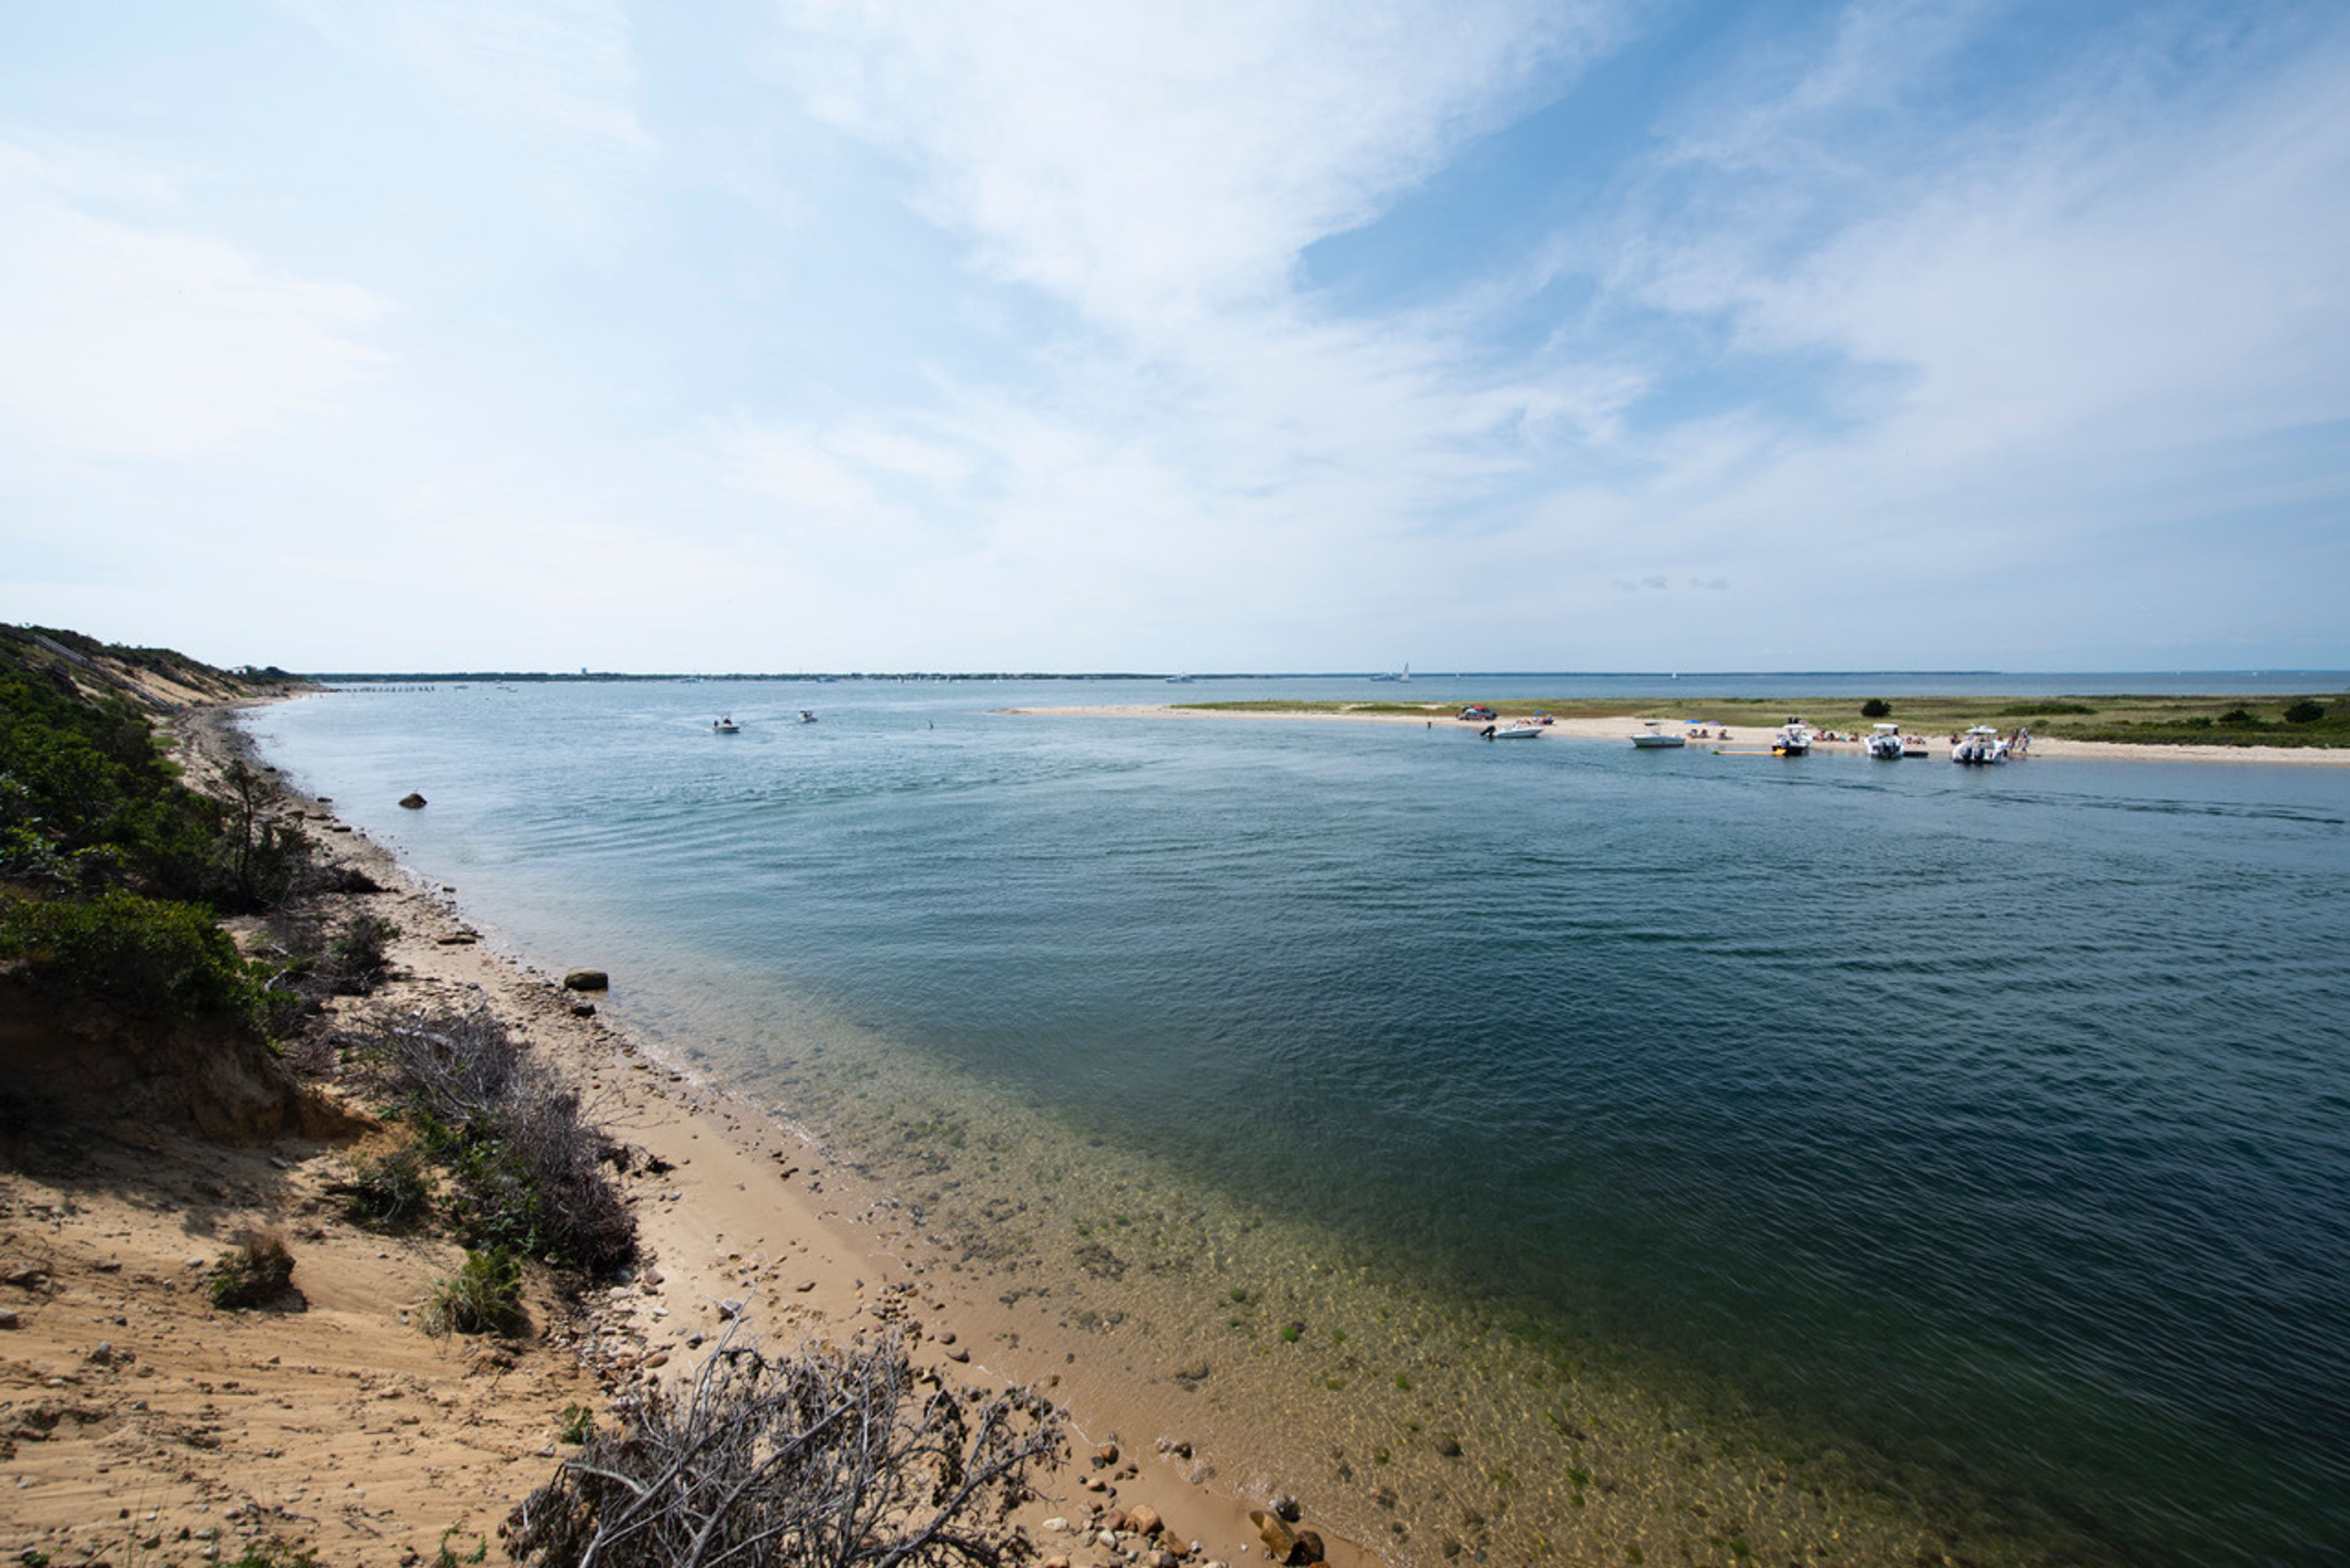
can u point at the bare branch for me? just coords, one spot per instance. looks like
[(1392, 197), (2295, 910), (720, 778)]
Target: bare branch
[(829, 1459)]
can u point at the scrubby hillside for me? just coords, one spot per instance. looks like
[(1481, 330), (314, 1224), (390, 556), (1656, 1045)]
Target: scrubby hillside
[(153, 678), (113, 876)]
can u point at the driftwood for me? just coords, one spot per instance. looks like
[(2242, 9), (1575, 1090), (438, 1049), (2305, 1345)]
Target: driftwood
[(828, 1458)]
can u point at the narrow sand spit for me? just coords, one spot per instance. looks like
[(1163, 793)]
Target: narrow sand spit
[(138, 1423), (1618, 731)]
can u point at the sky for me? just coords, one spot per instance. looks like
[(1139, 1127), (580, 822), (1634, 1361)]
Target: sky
[(1229, 334)]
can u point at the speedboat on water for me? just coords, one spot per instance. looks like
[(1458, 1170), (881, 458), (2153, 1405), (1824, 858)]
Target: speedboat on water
[(807, 716), (724, 726), (1980, 747), (1794, 740), (1516, 730), (1885, 743), (1651, 738)]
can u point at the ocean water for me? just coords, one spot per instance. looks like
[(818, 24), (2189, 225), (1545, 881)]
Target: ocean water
[(1567, 1152)]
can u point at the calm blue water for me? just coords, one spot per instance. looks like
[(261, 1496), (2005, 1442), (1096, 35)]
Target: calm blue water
[(1992, 1125)]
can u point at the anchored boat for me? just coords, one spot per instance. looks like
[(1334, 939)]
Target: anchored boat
[(1980, 747)]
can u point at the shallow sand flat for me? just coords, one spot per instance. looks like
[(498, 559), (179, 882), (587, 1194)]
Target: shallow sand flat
[(1620, 731)]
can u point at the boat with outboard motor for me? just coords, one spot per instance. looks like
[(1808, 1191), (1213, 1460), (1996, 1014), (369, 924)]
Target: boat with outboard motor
[(1980, 747), (1652, 737), (1794, 740), (1885, 743)]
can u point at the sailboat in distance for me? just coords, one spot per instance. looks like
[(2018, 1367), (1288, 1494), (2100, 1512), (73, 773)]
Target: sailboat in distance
[(1405, 676)]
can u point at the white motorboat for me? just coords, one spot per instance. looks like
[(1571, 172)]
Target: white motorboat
[(1794, 740), (724, 726), (1652, 737), (1980, 747), (807, 716), (1516, 730), (1885, 743)]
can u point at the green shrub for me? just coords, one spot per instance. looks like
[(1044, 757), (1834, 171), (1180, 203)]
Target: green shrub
[(1877, 708), (86, 779), (390, 1190), (148, 955), (484, 1296), (2308, 710), (258, 1272), (360, 954)]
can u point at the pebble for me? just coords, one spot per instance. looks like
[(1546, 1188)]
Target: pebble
[(7, 1318)]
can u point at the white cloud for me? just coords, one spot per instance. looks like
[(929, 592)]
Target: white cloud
[(553, 70), (553, 84), (121, 340), (2124, 255), (1152, 163)]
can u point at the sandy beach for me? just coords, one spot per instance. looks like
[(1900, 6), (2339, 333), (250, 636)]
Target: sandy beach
[(1618, 730), (137, 1422)]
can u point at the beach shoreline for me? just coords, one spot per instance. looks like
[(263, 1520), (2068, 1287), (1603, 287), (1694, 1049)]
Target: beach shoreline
[(745, 1220), (1617, 730)]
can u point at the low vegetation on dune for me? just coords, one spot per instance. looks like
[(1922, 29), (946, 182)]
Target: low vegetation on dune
[(113, 872), (529, 1172), (2238, 721)]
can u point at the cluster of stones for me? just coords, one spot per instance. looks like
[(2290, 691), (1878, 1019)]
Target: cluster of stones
[(1135, 1535), (608, 1339)]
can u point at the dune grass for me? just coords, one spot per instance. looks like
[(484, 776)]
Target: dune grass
[(2227, 721)]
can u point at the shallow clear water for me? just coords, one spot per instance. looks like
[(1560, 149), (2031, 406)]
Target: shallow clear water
[(1986, 1131)]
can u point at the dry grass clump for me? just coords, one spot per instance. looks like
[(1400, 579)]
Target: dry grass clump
[(259, 1272), (828, 1458)]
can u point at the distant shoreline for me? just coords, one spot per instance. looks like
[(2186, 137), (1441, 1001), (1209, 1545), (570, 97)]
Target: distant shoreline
[(1618, 729)]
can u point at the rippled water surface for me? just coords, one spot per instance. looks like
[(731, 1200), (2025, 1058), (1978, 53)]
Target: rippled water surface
[(1982, 1135)]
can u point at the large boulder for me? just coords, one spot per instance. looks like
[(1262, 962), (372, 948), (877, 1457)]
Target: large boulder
[(586, 980), (412, 801)]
